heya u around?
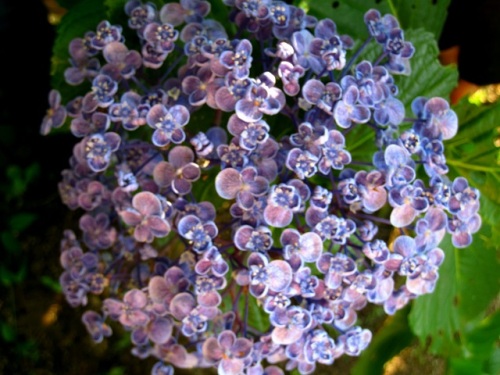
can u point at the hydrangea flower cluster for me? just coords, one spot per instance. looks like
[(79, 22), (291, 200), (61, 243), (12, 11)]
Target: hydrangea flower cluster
[(296, 226)]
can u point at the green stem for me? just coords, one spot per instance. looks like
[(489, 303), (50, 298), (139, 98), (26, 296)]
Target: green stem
[(364, 139), (393, 9), (472, 166)]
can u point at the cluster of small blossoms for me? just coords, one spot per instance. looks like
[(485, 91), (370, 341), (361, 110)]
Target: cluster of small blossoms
[(298, 235)]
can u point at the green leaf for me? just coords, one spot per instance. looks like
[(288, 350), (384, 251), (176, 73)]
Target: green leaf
[(482, 337), (348, 15), (493, 366), (434, 317), (428, 77), (68, 4), (117, 370), (20, 221), (468, 281), (427, 14), (411, 14), (257, 317), (475, 121), (477, 268), (388, 341), (10, 242), (51, 283), (461, 366), (9, 333)]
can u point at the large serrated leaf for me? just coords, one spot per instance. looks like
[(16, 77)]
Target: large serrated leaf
[(434, 318), (428, 14), (469, 278), (475, 121), (428, 77), (468, 281), (411, 14), (348, 15), (388, 341), (482, 338), (472, 153)]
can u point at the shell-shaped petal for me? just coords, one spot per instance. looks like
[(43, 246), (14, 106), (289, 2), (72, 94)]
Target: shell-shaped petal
[(277, 216), (181, 305), (402, 216), (160, 330), (211, 349), (286, 335), (209, 299), (158, 288), (147, 203), (404, 245), (135, 298), (228, 183), (311, 247), (280, 275), (131, 217), (164, 173), (230, 366), (158, 226)]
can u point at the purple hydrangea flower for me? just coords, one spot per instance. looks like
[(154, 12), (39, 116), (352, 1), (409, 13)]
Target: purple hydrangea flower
[(179, 172), (323, 96), (95, 325), (131, 311), (96, 231), (121, 63), (198, 233), (161, 36), (303, 163), (206, 290), (334, 154), (228, 351), (462, 229), (336, 268), (308, 246), (239, 60), (260, 99), (464, 200), (244, 185), (282, 202), (408, 201), (147, 217), (348, 110), (105, 34), (184, 11), (212, 261), (102, 95), (56, 114), (321, 348), (290, 324), (130, 111), (168, 124), (253, 239), (97, 149), (301, 42), (265, 276), (355, 340), (290, 75)]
